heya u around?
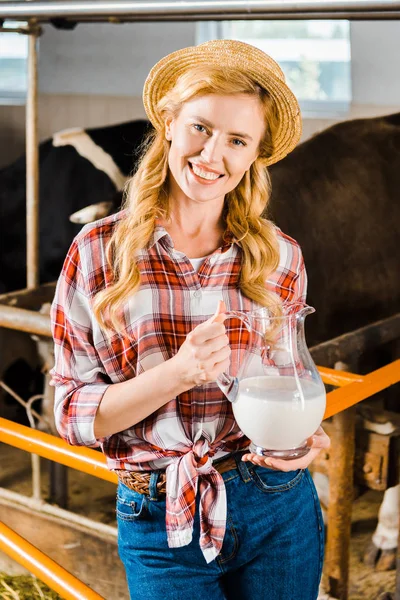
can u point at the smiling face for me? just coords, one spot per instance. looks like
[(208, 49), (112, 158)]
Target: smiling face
[(214, 141)]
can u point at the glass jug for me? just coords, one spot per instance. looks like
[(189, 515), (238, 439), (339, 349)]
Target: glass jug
[(278, 397)]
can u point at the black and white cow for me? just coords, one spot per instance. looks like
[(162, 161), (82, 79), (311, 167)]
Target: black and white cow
[(77, 168)]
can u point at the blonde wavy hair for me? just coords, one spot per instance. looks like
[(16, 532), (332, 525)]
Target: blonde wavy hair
[(147, 199)]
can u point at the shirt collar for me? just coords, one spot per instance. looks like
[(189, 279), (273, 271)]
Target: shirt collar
[(160, 233)]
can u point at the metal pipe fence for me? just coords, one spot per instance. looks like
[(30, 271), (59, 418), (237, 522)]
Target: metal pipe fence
[(192, 10), (353, 389)]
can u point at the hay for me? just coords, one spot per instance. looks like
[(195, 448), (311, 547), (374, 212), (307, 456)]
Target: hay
[(25, 587)]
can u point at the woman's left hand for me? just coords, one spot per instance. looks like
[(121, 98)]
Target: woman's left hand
[(317, 442)]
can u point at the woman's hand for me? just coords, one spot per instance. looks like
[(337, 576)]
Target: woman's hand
[(205, 353), (317, 442)]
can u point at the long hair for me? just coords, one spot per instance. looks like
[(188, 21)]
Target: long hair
[(147, 199)]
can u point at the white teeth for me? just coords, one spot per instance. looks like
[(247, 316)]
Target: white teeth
[(204, 174)]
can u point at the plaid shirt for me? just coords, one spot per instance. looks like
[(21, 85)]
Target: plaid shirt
[(190, 431)]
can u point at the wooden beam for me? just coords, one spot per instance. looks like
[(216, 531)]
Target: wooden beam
[(349, 346)]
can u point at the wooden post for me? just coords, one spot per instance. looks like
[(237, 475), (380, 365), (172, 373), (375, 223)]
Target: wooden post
[(32, 163), (341, 473)]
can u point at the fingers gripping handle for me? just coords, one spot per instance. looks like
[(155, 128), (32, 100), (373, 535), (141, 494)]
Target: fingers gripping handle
[(229, 385)]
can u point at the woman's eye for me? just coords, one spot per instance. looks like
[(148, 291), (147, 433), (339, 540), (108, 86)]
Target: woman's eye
[(237, 142), (199, 127)]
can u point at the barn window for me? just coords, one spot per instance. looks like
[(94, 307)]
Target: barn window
[(314, 55), (13, 55)]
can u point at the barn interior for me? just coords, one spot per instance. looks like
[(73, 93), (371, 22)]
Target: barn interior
[(342, 61)]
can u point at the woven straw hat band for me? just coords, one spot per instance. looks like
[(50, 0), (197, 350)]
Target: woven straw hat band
[(234, 55)]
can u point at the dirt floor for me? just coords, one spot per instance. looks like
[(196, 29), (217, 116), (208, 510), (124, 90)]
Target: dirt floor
[(95, 499)]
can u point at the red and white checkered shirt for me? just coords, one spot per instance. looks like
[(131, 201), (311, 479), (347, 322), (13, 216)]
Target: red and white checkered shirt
[(190, 431)]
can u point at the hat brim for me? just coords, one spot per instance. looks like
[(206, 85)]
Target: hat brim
[(234, 54)]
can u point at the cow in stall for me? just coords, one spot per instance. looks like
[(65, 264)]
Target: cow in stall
[(77, 168), (336, 193)]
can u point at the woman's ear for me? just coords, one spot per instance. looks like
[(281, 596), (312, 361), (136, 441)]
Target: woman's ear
[(168, 122), (252, 162)]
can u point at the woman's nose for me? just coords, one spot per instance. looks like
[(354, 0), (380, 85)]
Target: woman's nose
[(213, 150)]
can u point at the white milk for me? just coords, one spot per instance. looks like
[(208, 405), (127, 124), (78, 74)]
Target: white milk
[(273, 414)]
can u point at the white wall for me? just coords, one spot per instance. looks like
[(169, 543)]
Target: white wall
[(107, 59), (113, 59), (375, 57)]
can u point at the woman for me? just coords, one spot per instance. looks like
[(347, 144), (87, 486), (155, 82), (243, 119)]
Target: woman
[(140, 338)]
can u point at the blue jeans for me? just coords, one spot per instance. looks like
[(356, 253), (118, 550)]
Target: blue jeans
[(273, 546)]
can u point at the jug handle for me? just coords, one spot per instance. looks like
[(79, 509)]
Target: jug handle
[(227, 384)]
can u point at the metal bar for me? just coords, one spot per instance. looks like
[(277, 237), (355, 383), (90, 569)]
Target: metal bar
[(30, 299), (348, 346), (298, 16), (338, 378), (48, 446), (21, 401), (41, 565), (35, 459), (48, 390), (58, 488), (32, 165), (43, 10), (351, 394), (21, 319), (24, 30)]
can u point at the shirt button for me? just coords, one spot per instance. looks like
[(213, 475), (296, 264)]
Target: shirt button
[(197, 294), (213, 260)]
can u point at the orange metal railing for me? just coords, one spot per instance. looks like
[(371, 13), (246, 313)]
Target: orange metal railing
[(50, 572), (352, 389), (51, 447), (361, 388), (338, 378)]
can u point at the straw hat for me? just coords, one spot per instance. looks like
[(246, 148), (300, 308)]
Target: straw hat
[(229, 53)]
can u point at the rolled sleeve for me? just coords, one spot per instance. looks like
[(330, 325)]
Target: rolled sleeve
[(78, 374)]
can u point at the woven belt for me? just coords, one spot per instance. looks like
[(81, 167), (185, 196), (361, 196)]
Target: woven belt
[(139, 480)]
